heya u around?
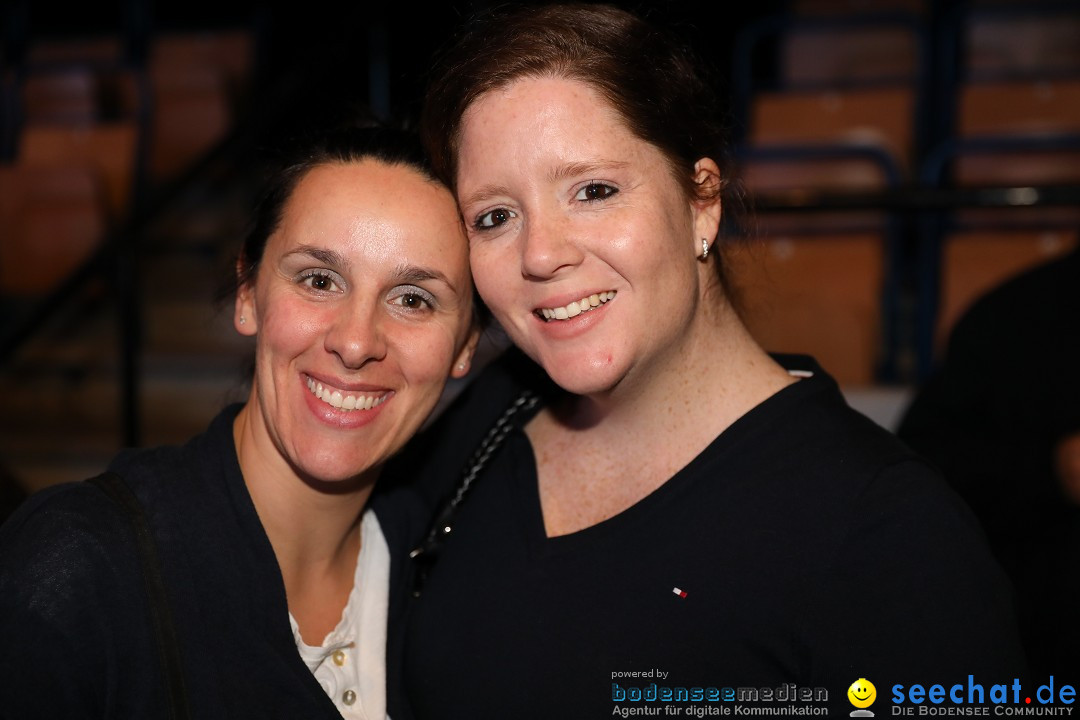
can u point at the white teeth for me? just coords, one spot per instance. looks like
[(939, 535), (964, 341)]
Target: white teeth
[(337, 399), (576, 308)]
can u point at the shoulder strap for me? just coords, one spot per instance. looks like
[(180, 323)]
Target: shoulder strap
[(427, 552), (161, 620)]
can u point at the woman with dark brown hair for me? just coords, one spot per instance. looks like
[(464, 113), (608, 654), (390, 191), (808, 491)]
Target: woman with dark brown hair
[(662, 513), (253, 572)]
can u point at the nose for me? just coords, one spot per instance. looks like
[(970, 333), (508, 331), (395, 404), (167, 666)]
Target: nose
[(356, 334), (547, 248)]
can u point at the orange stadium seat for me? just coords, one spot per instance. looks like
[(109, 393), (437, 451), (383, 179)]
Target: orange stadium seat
[(198, 81), (52, 219), (106, 148), (816, 295), (835, 56), (876, 117), (985, 247)]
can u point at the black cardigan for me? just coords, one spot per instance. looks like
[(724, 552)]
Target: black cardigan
[(73, 621)]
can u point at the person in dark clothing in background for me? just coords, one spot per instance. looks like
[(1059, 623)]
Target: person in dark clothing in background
[(11, 494), (1001, 418)]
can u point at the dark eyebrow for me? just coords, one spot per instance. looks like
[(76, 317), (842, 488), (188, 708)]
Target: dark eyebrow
[(403, 273), (414, 275), (483, 194), (327, 257), (576, 169)]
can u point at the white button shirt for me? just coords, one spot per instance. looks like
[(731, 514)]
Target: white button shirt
[(351, 662)]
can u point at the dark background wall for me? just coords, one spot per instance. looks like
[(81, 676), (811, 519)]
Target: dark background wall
[(327, 53)]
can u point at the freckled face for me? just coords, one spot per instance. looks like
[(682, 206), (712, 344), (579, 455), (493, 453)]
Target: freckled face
[(581, 240), (361, 307)]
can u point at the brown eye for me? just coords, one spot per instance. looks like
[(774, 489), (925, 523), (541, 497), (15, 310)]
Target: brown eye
[(320, 281), (596, 191), (494, 218), (412, 298)]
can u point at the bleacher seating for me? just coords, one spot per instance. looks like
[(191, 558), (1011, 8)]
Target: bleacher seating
[(1017, 124), (90, 126), (840, 106), (53, 218), (78, 109), (841, 117), (198, 80), (850, 75)]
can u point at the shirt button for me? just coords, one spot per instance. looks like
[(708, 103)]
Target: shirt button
[(349, 697), (339, 657)]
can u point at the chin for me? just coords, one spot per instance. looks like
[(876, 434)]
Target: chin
[(583, 375), (334, 470), (577, 387)]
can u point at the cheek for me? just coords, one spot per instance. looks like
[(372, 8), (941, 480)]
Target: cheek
[(288, 328), (672, 226), (491, 268), (425, 354), (664, 252), (644, 239)]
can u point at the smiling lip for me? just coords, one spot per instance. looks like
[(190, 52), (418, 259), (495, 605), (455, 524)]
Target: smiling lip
[(346, 400), (575, 307)]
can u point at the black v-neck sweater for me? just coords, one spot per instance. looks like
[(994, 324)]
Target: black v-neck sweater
[(804, 545)]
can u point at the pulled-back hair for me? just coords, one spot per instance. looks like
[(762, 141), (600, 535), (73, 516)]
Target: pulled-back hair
[(303, 153), (300, 154), (651, 79)]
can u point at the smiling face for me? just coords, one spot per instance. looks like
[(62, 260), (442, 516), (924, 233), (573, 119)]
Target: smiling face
[(362, 309), (862, 693), (582, 242)]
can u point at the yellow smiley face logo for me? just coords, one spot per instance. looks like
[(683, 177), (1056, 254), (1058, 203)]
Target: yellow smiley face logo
[(862, 693)]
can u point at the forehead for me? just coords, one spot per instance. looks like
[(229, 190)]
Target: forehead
[(547, 120), (372, 208), (540, 102)]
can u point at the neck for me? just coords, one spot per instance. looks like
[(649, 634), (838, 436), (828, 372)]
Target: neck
[(599, 454), (312, 526)]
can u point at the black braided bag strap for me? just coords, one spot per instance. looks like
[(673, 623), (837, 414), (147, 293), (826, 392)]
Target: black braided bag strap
[(427, 552)]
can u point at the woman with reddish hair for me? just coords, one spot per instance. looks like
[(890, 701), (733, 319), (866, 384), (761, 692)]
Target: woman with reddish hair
[(652, 508)]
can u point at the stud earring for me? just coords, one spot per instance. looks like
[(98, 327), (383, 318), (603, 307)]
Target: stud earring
[(704, 248), (242, 320), (461, 367)]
